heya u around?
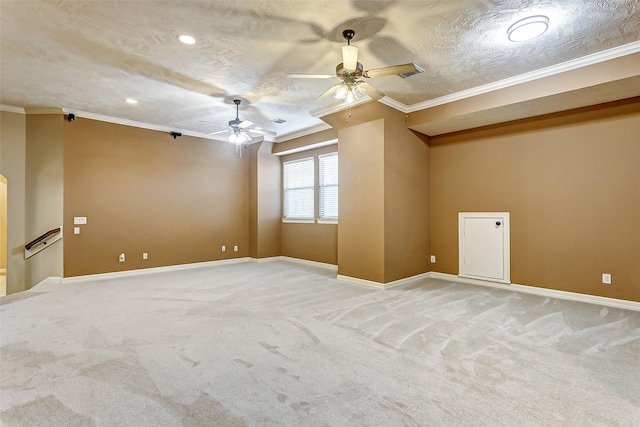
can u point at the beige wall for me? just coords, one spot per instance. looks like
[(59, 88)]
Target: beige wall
[(570, 181), (44, 193), (313, 242), (142, 191), (265, 201), (406, 199), (3, 223), (383, 234), (361, 251), (12, 166)]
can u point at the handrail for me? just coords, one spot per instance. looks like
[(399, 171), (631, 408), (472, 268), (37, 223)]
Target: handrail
[(41, 238)]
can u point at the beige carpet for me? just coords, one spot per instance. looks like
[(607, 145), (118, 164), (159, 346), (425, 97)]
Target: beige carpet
[(277, 343)]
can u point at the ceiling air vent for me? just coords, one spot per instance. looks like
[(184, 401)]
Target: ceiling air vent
[(418, 70)]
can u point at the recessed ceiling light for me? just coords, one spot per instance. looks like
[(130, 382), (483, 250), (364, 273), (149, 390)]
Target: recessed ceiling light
[(187, 39), (528, 28), (131, 101)]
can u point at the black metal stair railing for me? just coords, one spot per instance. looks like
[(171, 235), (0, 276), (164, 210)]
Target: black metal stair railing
[(42, 238)]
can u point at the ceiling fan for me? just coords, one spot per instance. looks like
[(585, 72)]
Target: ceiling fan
[(240, 130), (350, 71)]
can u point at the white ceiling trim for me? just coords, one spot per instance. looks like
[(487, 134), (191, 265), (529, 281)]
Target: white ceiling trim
[(390, 102), (127, 122), (573, 64), (12, 109), (584, 61), (303, 132), (307, 147), (324, 111), (143, 125)]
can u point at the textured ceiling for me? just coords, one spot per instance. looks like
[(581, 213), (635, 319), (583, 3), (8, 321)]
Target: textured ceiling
[(90, 55)]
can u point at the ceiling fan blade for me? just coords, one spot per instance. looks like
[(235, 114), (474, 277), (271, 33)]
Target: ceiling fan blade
[(309, 76), (371, 91), (245, 124), (328, 92), (404, 70), (262, 131)]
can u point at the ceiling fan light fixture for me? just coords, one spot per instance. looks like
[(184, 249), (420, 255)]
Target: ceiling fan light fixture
[(349, 92), (350, 97), (238, 138), (349, 57), (528, 28), (341, 92)]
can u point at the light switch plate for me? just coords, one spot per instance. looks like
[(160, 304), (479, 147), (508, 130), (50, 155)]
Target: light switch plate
[(79, 220), (76, 230)]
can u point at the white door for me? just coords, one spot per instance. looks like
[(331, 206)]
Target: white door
[(484, 245)]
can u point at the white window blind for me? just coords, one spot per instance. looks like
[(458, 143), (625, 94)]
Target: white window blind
[(328, 168), (299, 189)]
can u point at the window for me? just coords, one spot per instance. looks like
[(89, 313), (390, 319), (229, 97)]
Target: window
[(328, 183), (304, 188), (299, 177)]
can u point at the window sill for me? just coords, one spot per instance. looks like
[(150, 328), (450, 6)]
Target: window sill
[(297, 221), (327, 221)]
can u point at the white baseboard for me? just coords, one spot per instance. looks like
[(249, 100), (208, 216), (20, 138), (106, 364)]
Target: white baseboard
[(551, 293), (268, 259), (378, 285), (49, 281), (168, 268), (324, 265), (152, 270)]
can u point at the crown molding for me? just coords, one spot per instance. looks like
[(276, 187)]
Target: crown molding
[(307, 147), (584, 61), (304, 132), (126, 122), (390, 102), (12, 109), (325, 111), (151, 126), (595, 58)]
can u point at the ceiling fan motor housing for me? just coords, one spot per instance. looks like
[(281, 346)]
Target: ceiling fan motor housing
[(345, 74)]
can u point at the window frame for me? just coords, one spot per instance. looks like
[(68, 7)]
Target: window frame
[(316, 190), (320, 218), (299, 219)]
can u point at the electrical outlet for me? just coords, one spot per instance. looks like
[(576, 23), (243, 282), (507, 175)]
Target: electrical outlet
[(433, 259), (224, 248), (121, 257), (235, 248), (145, 255), (606, 278)]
